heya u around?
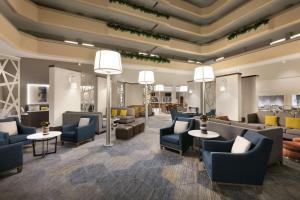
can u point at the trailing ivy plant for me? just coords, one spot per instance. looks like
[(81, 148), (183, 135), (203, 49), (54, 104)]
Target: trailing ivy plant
[(248, 28), (138, 56), (133, 30), (141, 8)]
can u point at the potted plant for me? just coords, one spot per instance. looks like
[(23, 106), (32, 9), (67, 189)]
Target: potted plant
[(45, 127), (203, 124)]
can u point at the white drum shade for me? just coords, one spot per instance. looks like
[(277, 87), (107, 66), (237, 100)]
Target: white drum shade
[(108, 62), (146, 77), (159, 88), (204, 74)]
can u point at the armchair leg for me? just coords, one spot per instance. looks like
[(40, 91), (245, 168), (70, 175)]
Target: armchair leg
[(62, 143), (180, 152), (19, 169), (77, 144)]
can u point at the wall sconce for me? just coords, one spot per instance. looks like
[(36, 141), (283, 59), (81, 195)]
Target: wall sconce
[(73, 84), (223, 86)]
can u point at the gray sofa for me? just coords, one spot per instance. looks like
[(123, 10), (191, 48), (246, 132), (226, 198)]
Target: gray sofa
[(130, 117), (258, 120), (71, 117), (229, 130)]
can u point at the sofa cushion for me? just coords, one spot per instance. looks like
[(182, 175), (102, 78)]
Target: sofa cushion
[(293, 123), (261, 116), (271, 120), (248, 125), (173, 138), (282, 117), (180, 126), (83, 122), (240, 145), (9, 127), (17, 138), (293, 131)]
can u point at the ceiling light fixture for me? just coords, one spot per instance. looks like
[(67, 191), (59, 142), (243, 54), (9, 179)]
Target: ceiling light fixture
[(70, 42), (295, 36), (218, 59), (191, 61), (198, 62), (278, 41), (153, 55), (88, 45)]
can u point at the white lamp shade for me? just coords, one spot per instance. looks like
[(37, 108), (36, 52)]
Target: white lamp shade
[(146, 77), (204, 74), (108, 62), (183, 88), (159, 87)]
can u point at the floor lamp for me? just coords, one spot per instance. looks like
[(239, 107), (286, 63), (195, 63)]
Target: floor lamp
[(109, 63), (159, 88), (204, 74), (146, 78)]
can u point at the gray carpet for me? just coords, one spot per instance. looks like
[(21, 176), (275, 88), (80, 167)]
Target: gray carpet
[(134, 169)]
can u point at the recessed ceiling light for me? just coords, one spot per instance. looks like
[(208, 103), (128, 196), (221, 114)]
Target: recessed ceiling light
[(278, 41), (198, 62), (141, 53), (218, 59), (153, 55), (70, 42), (88, 45), (295, 36), (191, 61)]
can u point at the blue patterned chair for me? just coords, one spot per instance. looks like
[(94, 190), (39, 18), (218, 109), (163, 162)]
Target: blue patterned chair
[(74, 133), (242, 168), (23, 132), (179, 142)]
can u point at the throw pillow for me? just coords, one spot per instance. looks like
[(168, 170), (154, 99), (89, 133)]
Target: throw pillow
[(240, 145), (180, 126), (225, 118), (83, 122), (292, 123), (114, 112), (9, 127), (271, 120), (123, 113)]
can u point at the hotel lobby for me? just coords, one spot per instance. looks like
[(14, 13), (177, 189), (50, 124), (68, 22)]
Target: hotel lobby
[(156, 99)]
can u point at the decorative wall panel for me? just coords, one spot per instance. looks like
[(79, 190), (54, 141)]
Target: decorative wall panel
[(88, 83), (9, 86)]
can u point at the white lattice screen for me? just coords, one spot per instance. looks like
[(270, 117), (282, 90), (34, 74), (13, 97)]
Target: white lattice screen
[(9, 86)]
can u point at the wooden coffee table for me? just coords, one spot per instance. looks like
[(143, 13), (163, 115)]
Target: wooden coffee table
[(40, 137)]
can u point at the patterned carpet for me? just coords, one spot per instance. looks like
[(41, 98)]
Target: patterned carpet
[(134, 169)]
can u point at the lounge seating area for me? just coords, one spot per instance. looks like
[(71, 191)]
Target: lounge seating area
[(132, 99)]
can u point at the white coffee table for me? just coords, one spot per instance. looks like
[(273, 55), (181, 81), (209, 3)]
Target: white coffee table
[(201, 136), (40, 137)]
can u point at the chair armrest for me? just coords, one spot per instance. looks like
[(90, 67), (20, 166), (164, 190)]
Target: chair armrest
[(252, 118), (166, 131), (69, 127), (5, 137), (12, 152), (26, 129), (217, 146)]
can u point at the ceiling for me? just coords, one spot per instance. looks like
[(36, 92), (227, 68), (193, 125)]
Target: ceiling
[(198, 28)]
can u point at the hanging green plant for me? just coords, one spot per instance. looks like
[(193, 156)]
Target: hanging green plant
[(133, 30), (141, 8), (247, 28), (138, 56)]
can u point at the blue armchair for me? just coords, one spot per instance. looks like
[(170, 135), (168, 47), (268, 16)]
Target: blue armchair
[(23, 132), (73, 133), (179, 142), (245, 168)]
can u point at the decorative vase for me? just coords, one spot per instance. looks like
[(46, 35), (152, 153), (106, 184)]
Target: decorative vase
[(203, 124), (45, 130)]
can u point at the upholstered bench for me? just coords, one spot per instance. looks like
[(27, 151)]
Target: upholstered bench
[(291, 149), (124, 132), (138, 127)]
